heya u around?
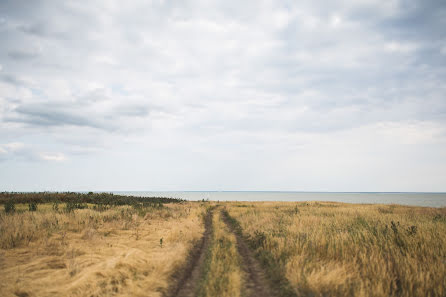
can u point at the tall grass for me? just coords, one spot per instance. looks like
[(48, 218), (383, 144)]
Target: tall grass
[(95, 252), (334, 249)]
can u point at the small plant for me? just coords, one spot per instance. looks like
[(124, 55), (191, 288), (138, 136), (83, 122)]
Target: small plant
[(439, 218), (9, 206), (136, 233), (32, 206), (62, 237), (69, 207), (394, 227), (161, 242), (412, 230), (258, 240), (56, 206), (296, 210)]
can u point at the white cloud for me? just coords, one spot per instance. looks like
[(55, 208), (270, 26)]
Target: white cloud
[(336, 21), (105, 59), (14, 146), (282, 18), (58, 157), (394, 46)]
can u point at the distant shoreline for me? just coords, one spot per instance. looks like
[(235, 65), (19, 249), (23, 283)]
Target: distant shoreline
[(424, 199)]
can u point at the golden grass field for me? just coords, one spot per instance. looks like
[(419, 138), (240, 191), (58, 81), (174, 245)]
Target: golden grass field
[(336, 249), (305, 248), (92, 253)]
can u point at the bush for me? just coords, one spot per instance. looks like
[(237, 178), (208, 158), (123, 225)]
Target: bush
[(9, 206), (32, 206), (72, 205), (93, 198)]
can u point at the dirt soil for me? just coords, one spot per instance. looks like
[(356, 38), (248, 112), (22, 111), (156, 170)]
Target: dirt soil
[(256, 283), (189, 276)]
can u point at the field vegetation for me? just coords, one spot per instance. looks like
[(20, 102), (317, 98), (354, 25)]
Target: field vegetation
[(96, 244), (335, 249), (81, 248)]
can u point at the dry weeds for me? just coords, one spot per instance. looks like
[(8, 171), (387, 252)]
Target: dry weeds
[(316, 248), (118, 251), (335, 249)]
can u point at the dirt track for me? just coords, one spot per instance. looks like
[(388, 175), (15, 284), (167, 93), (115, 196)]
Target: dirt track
[(254, 284), (189, 276)]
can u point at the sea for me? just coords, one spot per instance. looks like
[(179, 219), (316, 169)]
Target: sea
[(403, 198)]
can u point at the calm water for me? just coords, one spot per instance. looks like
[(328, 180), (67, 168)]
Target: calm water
[(418, 199)]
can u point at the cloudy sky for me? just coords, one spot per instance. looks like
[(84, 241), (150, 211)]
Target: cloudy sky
[(223, 95)]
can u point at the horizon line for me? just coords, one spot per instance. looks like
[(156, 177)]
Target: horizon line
[(240, 191)]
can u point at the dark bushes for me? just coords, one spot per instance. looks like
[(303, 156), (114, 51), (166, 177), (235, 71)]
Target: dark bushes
[(32, 206), (103, 199), (9, 206), (72, 205)]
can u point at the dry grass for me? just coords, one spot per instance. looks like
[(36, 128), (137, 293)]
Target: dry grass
[(118, 251), (223, 275), (319, 249), (334, 249)]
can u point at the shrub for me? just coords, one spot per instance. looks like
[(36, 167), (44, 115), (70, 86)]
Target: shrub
[(32, 206), (9, 206), (258, 240), (412, 230), (72, 205), (296, 210)]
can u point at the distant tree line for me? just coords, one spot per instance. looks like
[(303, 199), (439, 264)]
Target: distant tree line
[(75, 197)]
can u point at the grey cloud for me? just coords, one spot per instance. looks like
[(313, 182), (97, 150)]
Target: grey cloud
[(22, 55), (43, 30), (38, 29), (12, 79), (74, 114), (133, 110), (423, 22), (48, 115)]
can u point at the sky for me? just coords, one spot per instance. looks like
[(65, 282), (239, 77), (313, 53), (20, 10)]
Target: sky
[(223, 95)]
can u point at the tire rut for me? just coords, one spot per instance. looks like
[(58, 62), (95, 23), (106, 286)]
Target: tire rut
[(189, 276), (256, 283)]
